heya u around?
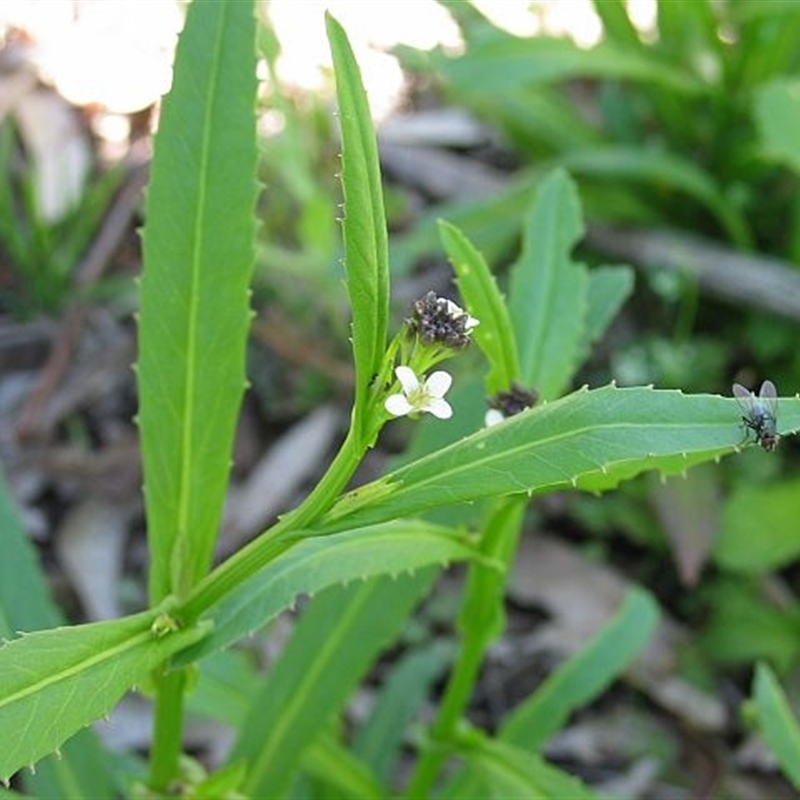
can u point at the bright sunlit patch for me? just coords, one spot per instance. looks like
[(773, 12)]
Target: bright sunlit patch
[(305, 60), (118, 55)]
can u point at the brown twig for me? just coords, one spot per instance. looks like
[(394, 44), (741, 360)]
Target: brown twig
[(742, 278)]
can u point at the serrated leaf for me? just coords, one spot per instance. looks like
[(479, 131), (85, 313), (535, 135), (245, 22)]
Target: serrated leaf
[(478, 288), (316, 563), (588, 440), (588, 673), (194, 304), (778, 725), (335, 642), (547, 291), (364, 225), (55, 682)]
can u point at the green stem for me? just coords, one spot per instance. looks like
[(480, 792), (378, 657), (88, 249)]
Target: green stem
[(167, 733), (279, 538), (454, 702), (481, 620)]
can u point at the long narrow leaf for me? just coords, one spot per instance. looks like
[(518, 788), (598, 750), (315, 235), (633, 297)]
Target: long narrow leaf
[(588, 440), (548, 292), (198, 254), (316, 563), (365, 236), (55, 682), (336, 641), (585, 675), (379, 741)]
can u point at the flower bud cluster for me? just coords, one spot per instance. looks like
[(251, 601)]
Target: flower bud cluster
[(436, 330)]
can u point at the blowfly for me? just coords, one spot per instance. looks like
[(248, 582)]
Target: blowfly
[(761, 413)]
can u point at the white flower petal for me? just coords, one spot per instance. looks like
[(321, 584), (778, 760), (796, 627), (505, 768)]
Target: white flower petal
[(439, 408), (408, 380), (493, 417), (397, 405), (438, 384)]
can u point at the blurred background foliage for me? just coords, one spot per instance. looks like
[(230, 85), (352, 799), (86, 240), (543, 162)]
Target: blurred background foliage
[(687, 128)]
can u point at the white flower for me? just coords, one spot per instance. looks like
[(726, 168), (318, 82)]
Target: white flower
[(418, 397)]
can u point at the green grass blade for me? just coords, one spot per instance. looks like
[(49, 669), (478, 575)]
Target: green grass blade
[(336, 641), (778, 724), (478, 288), (617, 25), (199, 255), (589, 440), (53, 683), (316, 563), (665, 172), (364, 225), (587, 674), (548, 291)]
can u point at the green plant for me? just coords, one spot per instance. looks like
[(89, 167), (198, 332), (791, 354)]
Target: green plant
[(199, 253), (43, 256)]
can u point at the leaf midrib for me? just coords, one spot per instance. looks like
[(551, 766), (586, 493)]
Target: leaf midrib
[(83, 665), (187, 442)]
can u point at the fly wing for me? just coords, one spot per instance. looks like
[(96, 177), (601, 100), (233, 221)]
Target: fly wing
[(769, 394), (744, 396)]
